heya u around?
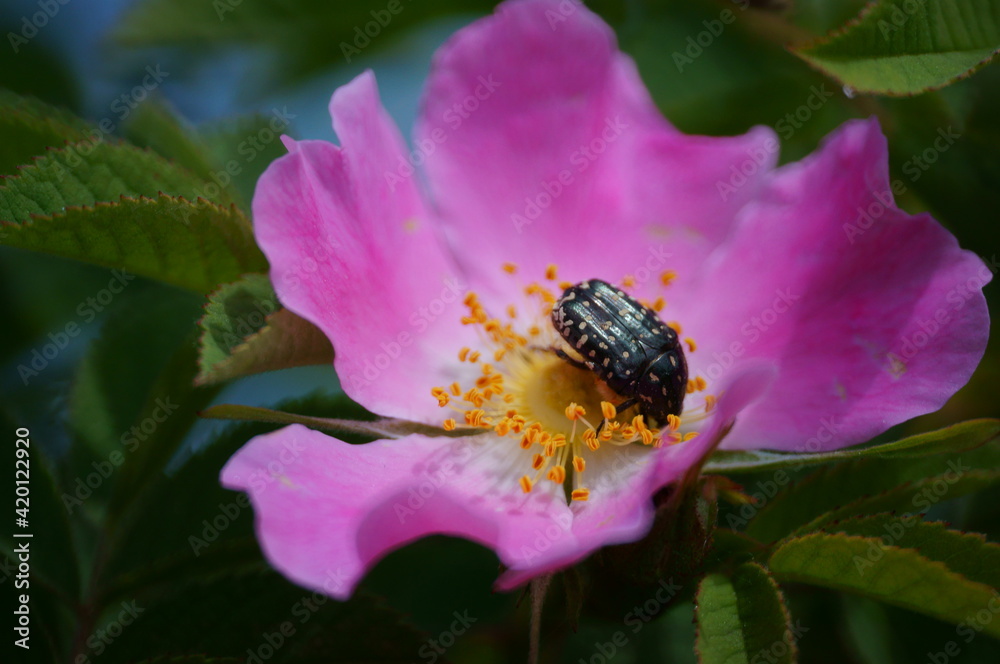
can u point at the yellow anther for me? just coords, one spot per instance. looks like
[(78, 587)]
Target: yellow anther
[(474, 396), (442, 396), (691, 434), (639, 423), (574, 411), (696, 384), (676, 327), (493, 382), (477, 418), (668, 277), (505, 387)]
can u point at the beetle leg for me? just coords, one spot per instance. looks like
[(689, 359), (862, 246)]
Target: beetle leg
[(623, 406), (572, 362)]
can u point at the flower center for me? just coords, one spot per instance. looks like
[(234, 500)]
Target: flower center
[(536, 389)]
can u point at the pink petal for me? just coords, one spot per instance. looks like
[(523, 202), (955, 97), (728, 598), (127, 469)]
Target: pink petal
[(354, 253), (620, 507), (831, 297), (513, 104), (329, 510)]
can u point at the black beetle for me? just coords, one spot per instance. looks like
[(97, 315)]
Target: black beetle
[(626, 345)]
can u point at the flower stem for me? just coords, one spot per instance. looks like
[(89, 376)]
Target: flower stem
[(539, 587)]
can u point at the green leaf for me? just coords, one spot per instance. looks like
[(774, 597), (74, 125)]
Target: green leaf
[(191, 659), (86, 173), (51, 619), (241, 148), (913, 498), (742, 618), (53, 554), (228, 156), (873, 485), (11, 101), (245, 332), (39, 69), (118, 373), (955, 438), (902, 47), (168, 413), (28, 127), (231, 614), (968, 554), (285, 341), (309, 34), (190, 245), (154, 125), (901, 577)]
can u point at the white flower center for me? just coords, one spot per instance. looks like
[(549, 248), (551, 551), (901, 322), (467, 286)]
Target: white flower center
[(527, 392)]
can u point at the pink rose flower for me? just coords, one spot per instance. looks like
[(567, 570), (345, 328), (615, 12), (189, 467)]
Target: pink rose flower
[(815, 314)]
